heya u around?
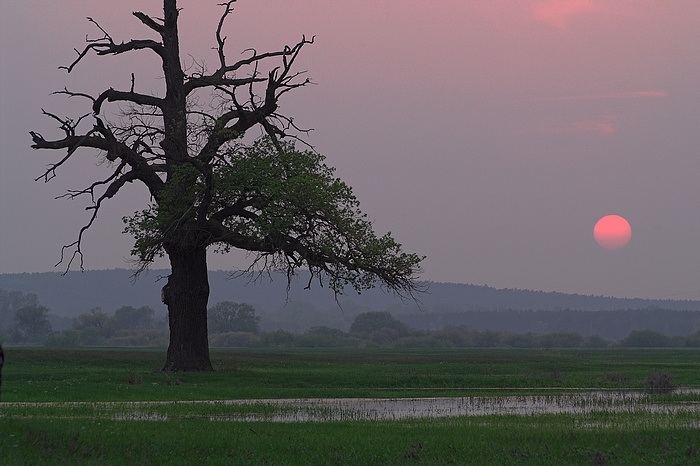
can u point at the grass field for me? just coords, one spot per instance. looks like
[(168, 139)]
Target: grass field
[(83, 407)]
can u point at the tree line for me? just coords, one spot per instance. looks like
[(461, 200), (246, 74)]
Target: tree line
[(24, 321)]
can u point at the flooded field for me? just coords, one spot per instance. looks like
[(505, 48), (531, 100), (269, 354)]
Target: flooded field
[(344, 409), (413, 408)]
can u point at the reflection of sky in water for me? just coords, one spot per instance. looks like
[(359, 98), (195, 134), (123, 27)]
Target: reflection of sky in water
[(381, 409), (414, 408)]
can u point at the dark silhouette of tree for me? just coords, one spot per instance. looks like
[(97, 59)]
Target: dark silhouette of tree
[(211, 187), (227, 316)]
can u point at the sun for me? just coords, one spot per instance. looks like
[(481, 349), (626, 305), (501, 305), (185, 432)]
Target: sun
[(612, 232)]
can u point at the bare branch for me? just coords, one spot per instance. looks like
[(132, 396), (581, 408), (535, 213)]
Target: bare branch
[(111, 95), (105, 45), (219, 39), (150, 22), (101, 138), (112, 189)]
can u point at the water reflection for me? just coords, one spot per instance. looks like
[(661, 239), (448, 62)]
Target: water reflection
[(325, 409)]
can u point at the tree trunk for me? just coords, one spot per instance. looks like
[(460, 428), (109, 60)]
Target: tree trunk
[(186, 296)]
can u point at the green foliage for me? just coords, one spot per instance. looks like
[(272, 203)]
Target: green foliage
[(284, 205), (171, 219)]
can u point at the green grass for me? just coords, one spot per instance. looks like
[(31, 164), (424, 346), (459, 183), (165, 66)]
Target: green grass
[(123, 375), (501, 440), (187, 433)]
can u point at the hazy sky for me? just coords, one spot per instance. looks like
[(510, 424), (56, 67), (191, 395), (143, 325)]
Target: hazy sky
[(488, 135)]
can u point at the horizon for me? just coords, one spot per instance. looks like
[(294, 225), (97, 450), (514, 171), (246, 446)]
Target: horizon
[(257, 283)]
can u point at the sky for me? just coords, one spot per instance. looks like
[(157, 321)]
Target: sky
[(489, 136)]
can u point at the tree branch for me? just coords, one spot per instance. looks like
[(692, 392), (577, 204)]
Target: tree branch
[(105, 45), (105, 142), (111, 95)]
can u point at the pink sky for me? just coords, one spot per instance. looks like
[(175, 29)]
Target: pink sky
[(489, 136)]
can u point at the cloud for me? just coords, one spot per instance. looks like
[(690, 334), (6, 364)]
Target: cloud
[(559, 12), (605, 125), (623, 95)]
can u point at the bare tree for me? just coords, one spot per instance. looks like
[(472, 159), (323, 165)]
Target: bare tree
[(209, 188)]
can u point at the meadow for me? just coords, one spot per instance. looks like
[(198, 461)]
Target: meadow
[(108, 406)]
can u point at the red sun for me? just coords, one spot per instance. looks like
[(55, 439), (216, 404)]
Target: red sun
[(612, 232)]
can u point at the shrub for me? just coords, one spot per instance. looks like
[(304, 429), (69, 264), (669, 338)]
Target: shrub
[(65, 339), (659, 381), (233, 340)]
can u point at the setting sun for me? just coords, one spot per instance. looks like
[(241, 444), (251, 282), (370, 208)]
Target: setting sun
[(612, 232)]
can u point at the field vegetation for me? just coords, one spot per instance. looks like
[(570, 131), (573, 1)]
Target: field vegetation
[(115, 406)]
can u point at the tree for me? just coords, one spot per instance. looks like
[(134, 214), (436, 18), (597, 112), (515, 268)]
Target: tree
[(210, 187), (10, 302), (130, 318), (379, 326), (233, 317), (32, 325), (93, 327), (95, 319)]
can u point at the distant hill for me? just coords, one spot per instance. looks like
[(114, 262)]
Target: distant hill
[(77, 292)]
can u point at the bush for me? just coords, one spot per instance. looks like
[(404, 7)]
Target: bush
[(233, 340), (425, 342), (659, 381), (65, 339), (149, 338)]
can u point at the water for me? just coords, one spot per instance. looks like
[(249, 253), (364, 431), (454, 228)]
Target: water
[(324, 409), (337, 409)]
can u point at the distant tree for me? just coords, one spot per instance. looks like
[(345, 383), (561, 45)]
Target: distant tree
[(647, 338), (10, 302), (380, 323), (93, 327), (31, 324), (227, 316), (128, 318), (209, 188), (94, 319)]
